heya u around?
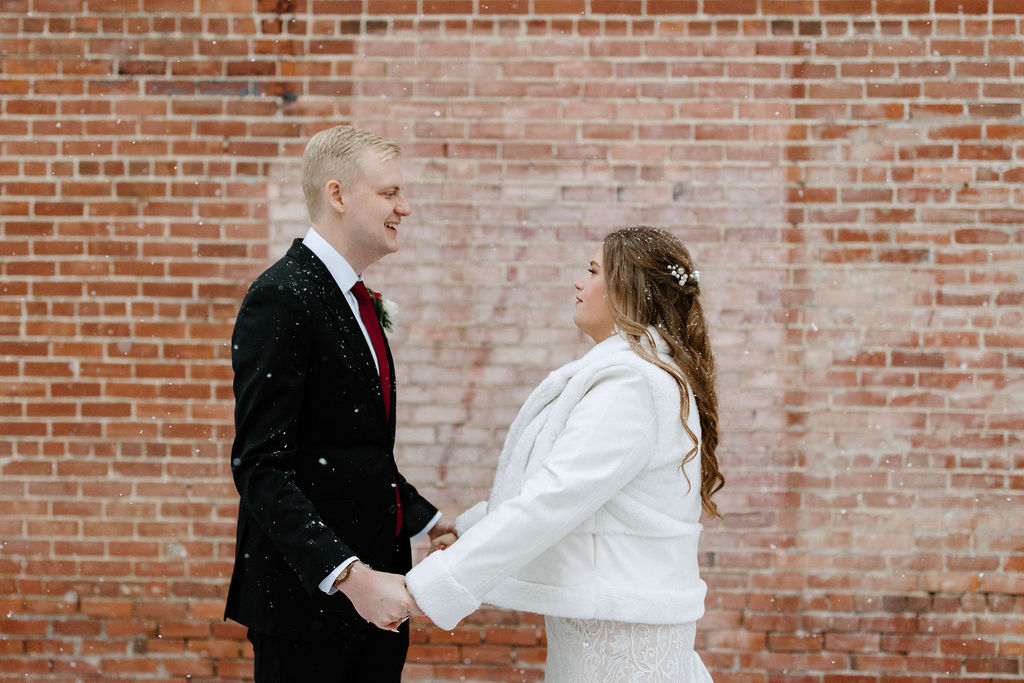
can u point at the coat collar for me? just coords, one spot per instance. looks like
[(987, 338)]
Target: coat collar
[(618, 343), (603, 353), (341, 270)]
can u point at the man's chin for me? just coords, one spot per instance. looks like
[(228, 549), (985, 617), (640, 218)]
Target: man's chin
[(389, 246)]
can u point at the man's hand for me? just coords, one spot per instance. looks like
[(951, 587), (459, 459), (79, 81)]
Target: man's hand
[(442, 535), (442, 528), (442, 542), (379, 597)]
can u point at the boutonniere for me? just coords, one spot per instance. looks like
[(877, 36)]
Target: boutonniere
[(386, 310)]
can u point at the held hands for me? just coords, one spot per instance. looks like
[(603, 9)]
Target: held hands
[(442, 542), (442, 535), (379, 597)]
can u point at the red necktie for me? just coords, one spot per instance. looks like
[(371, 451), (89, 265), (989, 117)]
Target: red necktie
[(372, 326)]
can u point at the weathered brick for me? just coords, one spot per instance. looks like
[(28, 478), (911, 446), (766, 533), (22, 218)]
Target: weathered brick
[(842, 170)]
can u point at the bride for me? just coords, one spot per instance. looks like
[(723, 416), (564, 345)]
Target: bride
[(593, 518)]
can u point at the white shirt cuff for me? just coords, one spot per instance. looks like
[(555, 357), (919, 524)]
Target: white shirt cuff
[(327, 585), (430, 525)]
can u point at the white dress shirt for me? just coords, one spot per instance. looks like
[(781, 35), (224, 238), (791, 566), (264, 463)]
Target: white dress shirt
[(343, 274), (346, 277)]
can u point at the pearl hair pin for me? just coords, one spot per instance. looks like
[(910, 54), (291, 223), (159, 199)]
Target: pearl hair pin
[(682, 276)]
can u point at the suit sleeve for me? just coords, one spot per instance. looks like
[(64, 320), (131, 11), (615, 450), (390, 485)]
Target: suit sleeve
[(270, 356), (608, 439), (417, 512)]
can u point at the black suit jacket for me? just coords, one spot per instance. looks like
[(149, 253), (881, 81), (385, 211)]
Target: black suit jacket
[(313, 456)]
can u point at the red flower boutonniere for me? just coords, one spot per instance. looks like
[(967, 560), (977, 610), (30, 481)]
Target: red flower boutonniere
[(386, 310)]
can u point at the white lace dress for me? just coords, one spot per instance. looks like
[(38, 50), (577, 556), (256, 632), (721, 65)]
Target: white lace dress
[(595, 651)]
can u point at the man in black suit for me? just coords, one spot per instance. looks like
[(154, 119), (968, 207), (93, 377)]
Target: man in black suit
[(325, 518)]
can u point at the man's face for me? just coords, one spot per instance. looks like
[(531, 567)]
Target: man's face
[(373, 208)]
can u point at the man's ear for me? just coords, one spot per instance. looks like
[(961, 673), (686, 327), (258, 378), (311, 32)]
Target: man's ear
[(333, 195)]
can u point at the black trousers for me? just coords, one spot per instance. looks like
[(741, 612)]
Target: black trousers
[(370, 654)]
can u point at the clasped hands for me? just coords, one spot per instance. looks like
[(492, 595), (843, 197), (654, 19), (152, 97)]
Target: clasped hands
[(381, 598)]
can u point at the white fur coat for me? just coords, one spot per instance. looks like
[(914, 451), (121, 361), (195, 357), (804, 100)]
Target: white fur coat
[(590, 515)]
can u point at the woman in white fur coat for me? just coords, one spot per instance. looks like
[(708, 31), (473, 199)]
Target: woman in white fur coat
[(593, 518)]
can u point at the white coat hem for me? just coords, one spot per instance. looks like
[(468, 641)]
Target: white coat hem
[(587, 602)]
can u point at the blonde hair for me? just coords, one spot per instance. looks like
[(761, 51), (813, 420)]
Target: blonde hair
[(644, 271), (334, 154)]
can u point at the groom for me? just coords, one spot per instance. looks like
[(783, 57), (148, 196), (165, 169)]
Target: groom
[(325, 518)]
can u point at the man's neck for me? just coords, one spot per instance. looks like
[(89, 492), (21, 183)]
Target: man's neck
[(333, 236)]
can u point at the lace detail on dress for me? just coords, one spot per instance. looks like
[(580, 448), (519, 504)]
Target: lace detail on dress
[(594, 651)]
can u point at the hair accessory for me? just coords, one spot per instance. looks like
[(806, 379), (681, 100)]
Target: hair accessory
[(682, 276)]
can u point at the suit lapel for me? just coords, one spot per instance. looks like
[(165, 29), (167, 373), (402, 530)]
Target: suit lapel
[(343, 319)]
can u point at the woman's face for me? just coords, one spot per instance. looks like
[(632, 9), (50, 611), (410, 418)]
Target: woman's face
[(592, 313)]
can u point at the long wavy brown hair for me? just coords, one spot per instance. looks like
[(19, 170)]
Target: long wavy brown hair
[(643, 267)]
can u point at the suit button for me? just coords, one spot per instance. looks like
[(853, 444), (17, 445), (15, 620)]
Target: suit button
[(393, 509)]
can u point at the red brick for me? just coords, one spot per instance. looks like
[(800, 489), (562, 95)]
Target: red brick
[(843, 171)]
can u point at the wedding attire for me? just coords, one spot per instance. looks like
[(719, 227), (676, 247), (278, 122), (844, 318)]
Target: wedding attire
[(596, 651), (591, 522), (313, 462)]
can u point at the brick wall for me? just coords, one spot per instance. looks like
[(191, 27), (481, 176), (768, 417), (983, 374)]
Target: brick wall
[(848, 174)]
